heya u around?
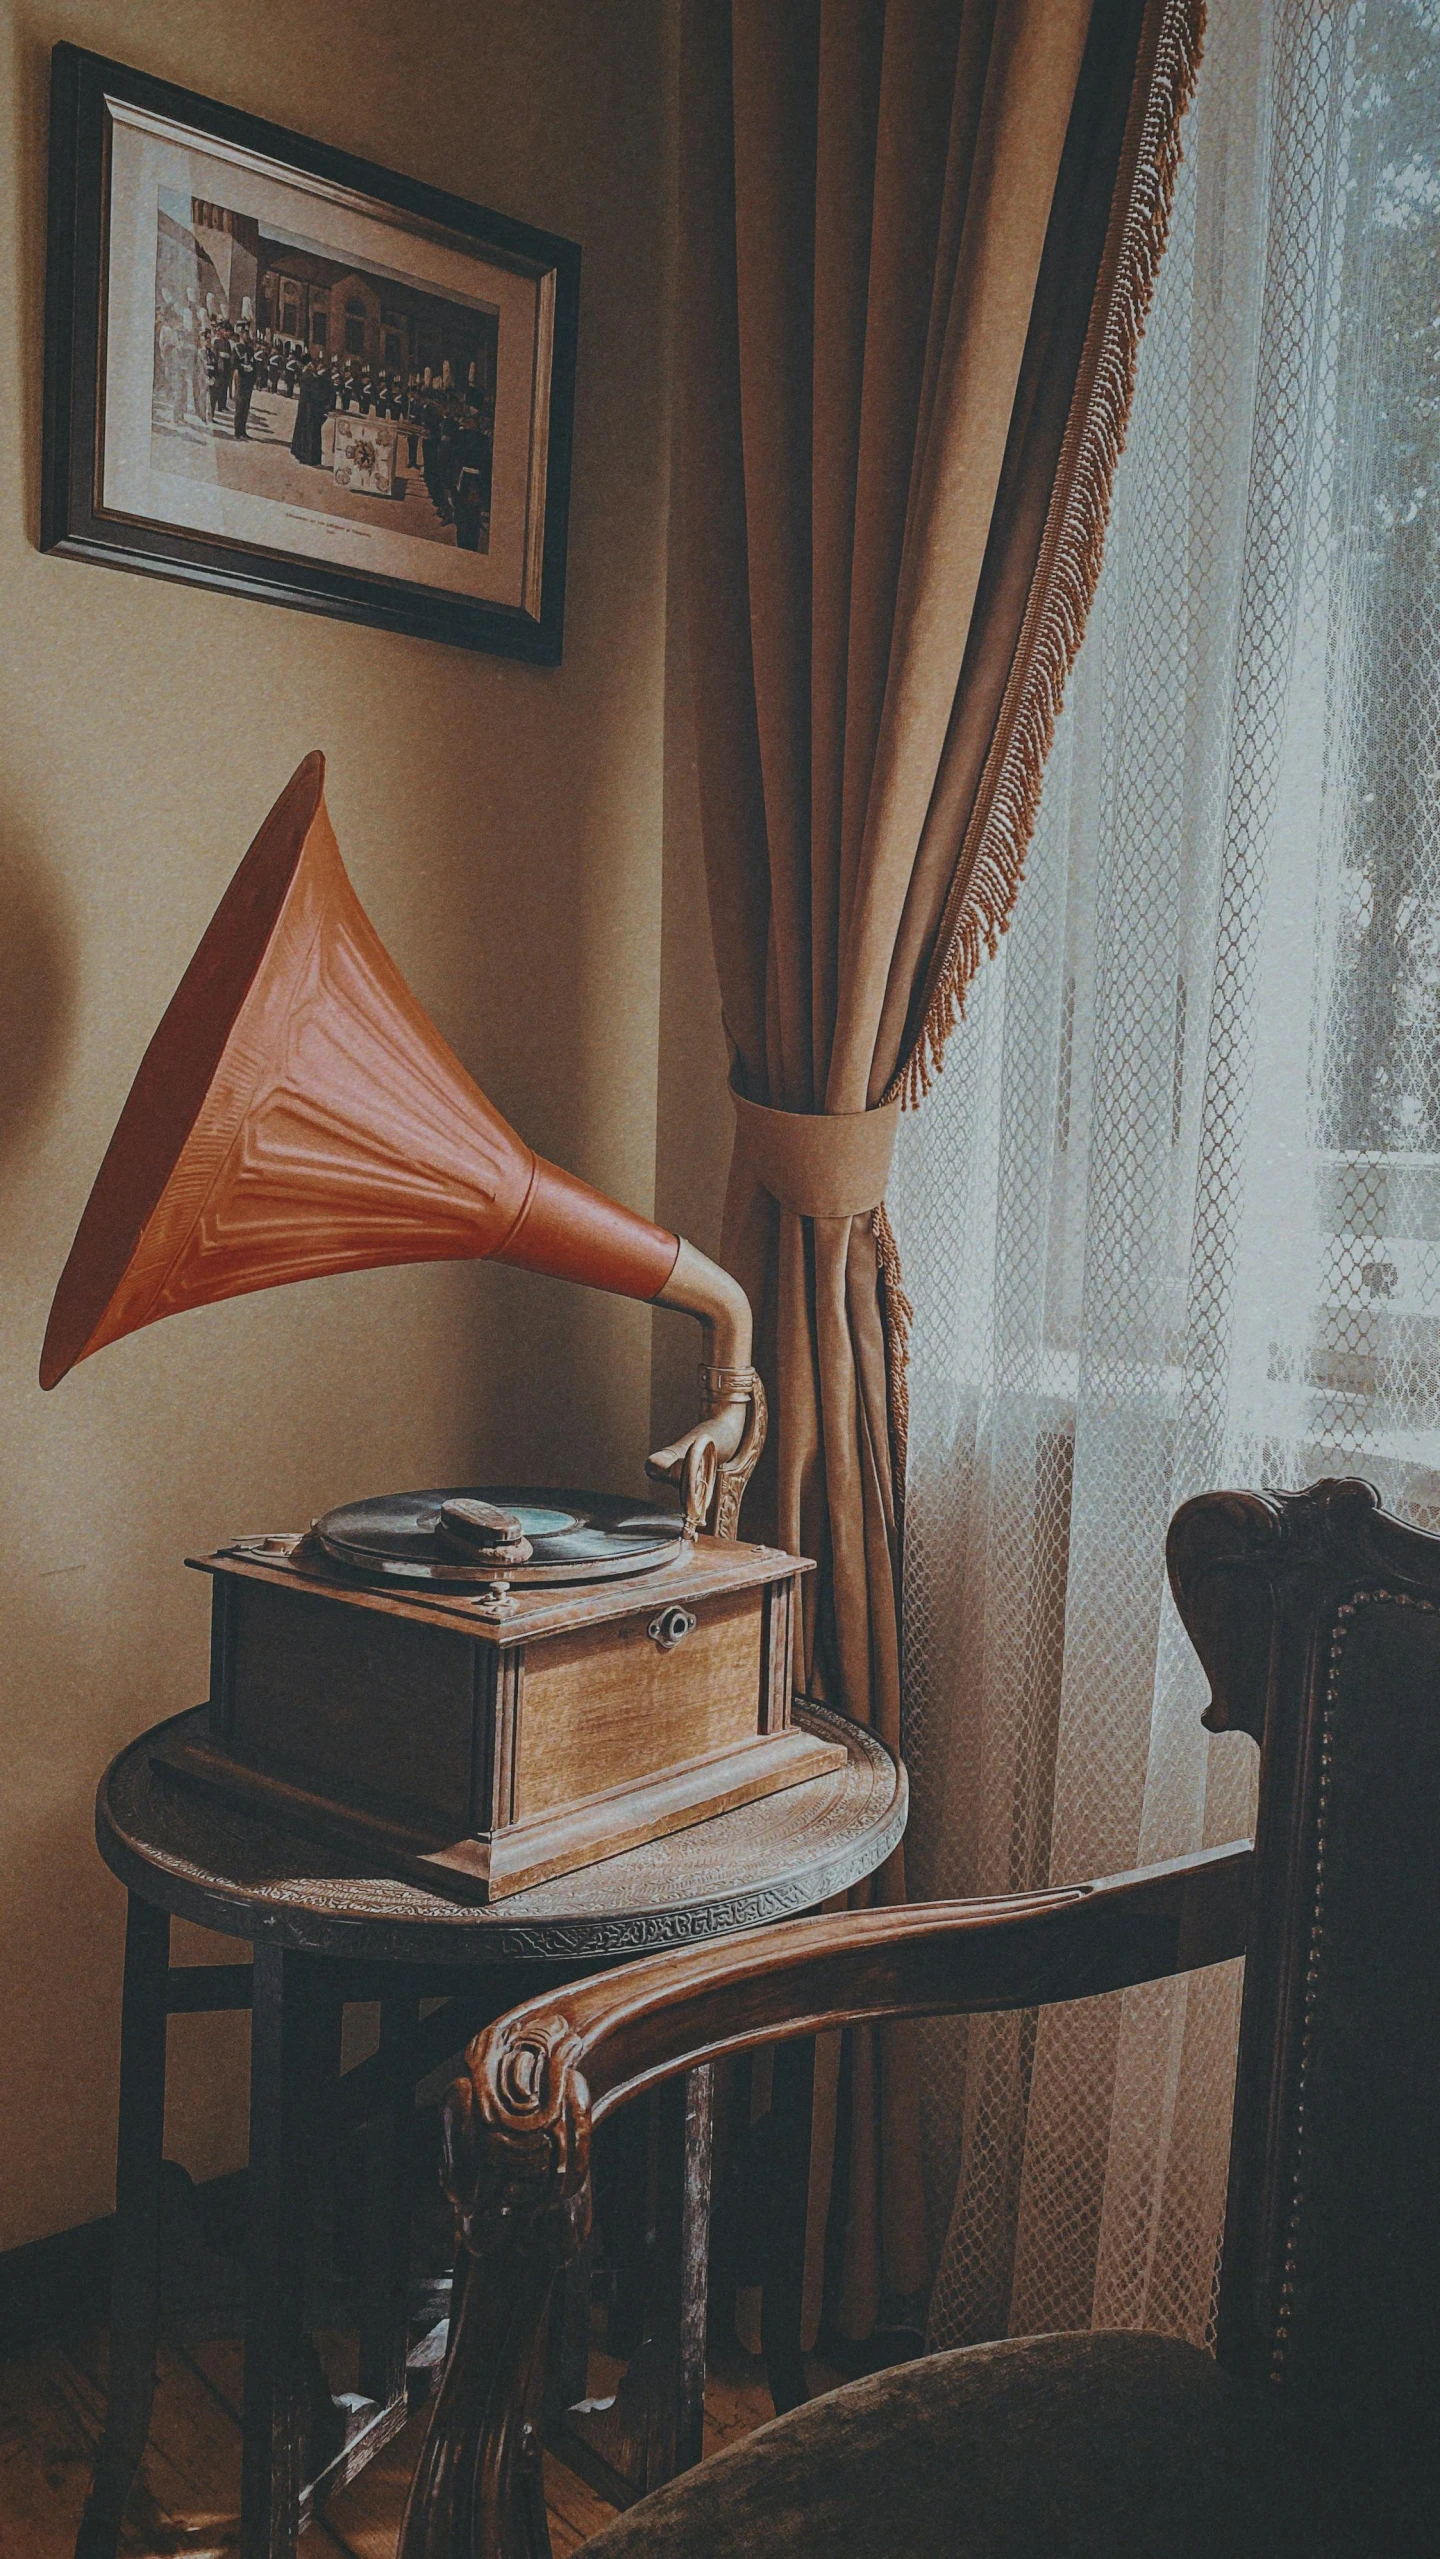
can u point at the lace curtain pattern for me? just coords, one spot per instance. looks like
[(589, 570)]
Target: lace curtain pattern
[(1171, 1217)]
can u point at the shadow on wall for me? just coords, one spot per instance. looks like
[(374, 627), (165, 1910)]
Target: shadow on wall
[(36, 985)]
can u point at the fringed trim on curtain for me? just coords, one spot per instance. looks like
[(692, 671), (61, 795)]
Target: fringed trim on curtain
[(983, 896), (899, 1316)]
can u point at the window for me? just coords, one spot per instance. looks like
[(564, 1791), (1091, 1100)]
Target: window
[(1171, 1217), (354, 328)]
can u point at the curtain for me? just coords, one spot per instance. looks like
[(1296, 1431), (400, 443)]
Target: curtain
[(917, 243), (1171, 1219)]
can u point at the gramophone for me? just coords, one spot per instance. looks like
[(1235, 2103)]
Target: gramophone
[(475, 1687)]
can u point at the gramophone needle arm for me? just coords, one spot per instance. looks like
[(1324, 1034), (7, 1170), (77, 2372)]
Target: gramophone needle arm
[(698, 1286)]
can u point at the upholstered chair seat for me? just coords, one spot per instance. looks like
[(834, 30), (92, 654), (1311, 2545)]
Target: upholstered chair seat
[(1067, 2447)]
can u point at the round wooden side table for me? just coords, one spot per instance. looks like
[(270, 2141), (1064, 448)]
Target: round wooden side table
[(323, 1933)]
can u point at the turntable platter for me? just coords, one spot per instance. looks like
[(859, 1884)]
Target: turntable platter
[(573, 1537)]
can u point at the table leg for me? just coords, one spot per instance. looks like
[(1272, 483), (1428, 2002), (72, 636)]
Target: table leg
[(135, 2265), (682, 2269), (791, 2105), (567, 2346), (286, 2069), (324, 2037), (655, 2426), (385, 2274), (623, 2168)]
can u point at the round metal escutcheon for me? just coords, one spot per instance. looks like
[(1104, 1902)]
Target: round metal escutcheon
[(671, 1627)]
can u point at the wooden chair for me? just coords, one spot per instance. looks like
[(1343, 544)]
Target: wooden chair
[(1317, 1619)]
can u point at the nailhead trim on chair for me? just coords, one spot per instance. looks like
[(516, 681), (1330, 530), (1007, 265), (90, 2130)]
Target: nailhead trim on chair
[(1344, 1616)]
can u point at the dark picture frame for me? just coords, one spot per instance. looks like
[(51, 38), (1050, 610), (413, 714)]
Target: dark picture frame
[(148, 468)]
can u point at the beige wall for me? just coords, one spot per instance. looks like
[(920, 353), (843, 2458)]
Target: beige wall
[(504, 827)]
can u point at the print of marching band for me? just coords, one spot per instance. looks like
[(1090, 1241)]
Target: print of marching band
[(283, 373)]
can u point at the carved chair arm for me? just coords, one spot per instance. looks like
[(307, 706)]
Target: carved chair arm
[(607, 2039), (519, 2125)]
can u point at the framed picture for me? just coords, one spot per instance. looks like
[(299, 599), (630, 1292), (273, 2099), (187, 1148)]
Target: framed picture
[(278, 370)]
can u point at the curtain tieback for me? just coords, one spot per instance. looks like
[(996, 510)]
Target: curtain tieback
[(818, 1163)]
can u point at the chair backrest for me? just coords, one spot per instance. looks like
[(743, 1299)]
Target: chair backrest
[(1316, 1616)]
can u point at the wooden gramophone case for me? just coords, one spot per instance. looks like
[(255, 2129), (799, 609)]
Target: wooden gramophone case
[(297, 1115), (480, 1755)]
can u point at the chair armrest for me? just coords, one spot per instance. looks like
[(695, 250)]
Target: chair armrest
[(518, 2126), (623, 2031)]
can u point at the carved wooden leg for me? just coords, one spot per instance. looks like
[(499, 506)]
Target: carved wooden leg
[(524, 2212), (135, 2269), (791, 2104), (479, 2487)]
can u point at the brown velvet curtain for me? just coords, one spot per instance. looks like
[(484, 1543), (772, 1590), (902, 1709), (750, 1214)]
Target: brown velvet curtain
[(917, 243)]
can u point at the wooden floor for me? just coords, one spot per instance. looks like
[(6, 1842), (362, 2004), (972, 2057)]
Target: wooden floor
[(52, 2404)]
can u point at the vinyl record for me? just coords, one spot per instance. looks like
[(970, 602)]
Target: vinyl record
[(573, 1537)]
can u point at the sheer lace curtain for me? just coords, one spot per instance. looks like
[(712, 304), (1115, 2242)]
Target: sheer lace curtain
[(1171, 1218)]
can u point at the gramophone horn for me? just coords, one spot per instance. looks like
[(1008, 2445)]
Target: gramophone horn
[(297, 1114)]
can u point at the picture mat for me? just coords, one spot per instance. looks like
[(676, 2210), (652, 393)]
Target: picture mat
[(148, 153)]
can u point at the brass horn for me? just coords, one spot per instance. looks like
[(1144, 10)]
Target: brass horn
[(296, 1114)]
